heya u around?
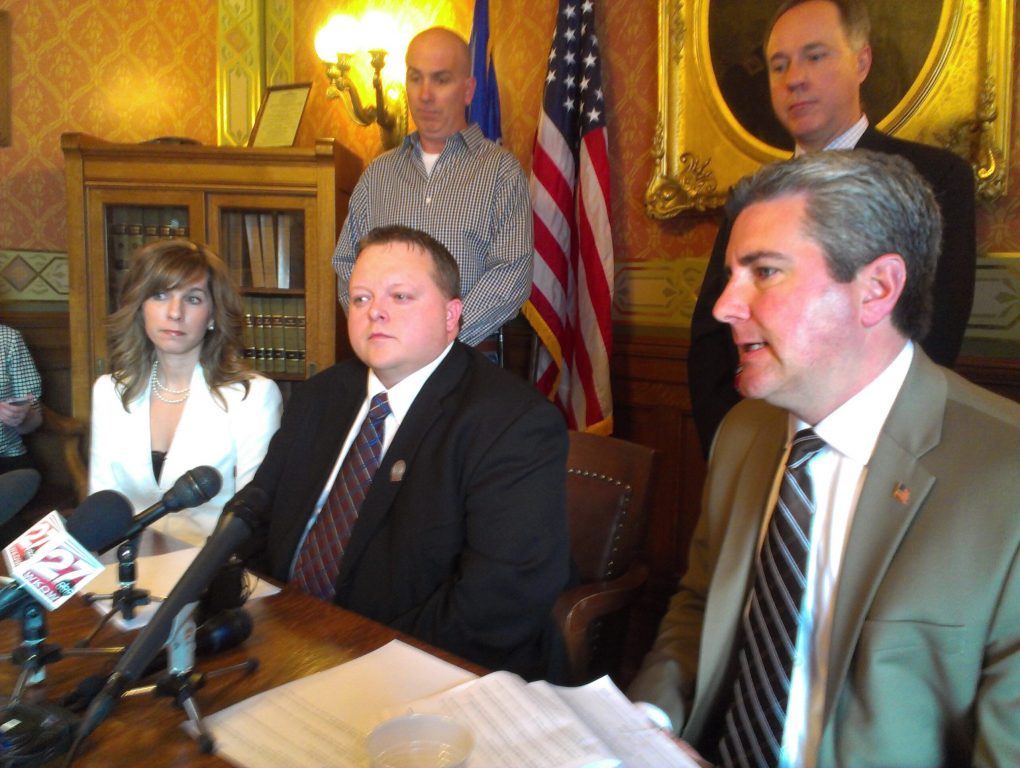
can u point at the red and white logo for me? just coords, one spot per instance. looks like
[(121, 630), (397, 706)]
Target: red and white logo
[(50, 563)]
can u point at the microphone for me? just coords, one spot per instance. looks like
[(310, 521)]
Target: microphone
[(242, 515), (17, 488), (223, 631), (98, 523), (227, 589), (194, 487)]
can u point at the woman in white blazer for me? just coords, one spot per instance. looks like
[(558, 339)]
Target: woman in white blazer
[(180, 395)]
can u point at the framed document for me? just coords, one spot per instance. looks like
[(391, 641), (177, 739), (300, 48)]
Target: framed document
[(279, 115)]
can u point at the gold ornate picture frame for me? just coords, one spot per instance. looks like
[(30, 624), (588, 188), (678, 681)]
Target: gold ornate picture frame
[(960, 97)]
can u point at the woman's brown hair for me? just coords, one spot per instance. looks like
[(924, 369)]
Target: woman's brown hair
[(161, 266)]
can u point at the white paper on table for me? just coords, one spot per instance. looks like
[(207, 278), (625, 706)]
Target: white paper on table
[(517, 723), (158, 574), (322, 720), (624, 728)]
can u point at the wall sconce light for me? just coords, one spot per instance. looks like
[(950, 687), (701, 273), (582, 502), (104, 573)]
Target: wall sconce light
[(336, 44)]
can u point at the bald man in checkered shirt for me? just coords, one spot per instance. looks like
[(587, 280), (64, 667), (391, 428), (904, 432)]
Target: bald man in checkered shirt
[(447, 179)]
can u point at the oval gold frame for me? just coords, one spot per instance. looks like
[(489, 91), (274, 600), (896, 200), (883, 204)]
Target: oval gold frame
[(960, 100)]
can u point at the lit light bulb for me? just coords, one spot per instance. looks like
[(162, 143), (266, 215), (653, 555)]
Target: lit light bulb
[(376, 29), (340, 35)]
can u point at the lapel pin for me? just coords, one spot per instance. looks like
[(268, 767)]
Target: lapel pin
[(397, 471), (901, 493)]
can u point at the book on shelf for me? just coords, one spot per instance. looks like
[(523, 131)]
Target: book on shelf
[(299, 333), (254, 244), (150, 224), (267, 229), (297, 250), (276, 334), (119, 250), (283, 239), (135, 239), (118, 247), (293, 347), (248, 330), (232, 248), (259, 331)]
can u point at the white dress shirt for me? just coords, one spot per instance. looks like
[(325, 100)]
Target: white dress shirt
[(846, 140), (837, 476)]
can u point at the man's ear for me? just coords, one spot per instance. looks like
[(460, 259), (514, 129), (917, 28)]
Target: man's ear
[(863, 63), (453, 309), (882, 282)]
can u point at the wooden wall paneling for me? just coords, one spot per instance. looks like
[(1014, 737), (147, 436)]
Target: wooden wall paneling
[(47, 335), (1001, 375), (652, 407)]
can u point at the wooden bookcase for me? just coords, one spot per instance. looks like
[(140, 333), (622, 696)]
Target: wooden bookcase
[(278, 209)]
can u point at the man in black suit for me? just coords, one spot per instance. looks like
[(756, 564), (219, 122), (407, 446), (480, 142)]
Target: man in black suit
[(461, 539), (818, 55)]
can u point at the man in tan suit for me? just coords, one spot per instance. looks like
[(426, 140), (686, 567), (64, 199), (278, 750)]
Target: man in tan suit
[(905, 641)]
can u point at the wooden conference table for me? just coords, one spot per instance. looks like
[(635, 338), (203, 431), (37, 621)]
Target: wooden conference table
[(293, 635)]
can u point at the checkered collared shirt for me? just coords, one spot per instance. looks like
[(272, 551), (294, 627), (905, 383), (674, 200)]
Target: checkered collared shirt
[(18, 378), (475, 202)]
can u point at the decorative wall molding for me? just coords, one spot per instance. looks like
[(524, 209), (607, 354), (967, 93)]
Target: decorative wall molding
[(254, 49), (33, 276), (996, 312)]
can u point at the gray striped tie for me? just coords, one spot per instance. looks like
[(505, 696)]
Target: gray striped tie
[(754, 723)]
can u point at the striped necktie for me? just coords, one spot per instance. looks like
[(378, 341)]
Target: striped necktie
[(318, 563), (756, 718)]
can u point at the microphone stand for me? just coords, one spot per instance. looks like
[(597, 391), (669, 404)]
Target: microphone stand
[(34, 733), (180, 681), (125, 599), (34, 653)]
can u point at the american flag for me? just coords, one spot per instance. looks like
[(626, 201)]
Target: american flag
[(571, 292)]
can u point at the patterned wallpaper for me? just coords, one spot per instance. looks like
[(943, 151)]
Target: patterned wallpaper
[(128, 70), (124, 70)]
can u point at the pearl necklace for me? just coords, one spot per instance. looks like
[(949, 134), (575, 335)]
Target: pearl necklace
[(159, 389)]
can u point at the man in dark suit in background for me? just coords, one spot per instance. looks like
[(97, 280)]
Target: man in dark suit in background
[(461, 539), (818, 55)]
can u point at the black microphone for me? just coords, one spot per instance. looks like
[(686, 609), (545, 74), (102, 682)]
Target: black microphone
[(223, 631), (242, 515), (194, 487), (98, 523), (17, 488)]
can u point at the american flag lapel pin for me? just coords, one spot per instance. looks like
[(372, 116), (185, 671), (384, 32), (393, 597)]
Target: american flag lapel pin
[(397, 471), (901, 493)]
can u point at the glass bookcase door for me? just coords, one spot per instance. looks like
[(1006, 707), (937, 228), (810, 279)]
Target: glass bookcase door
[(264, 244), (119, 221), (128, 228)]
